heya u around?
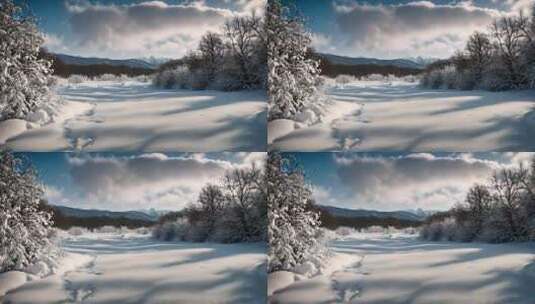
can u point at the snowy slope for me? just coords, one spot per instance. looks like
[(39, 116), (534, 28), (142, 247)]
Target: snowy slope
[(134, 116), (136, 269), (399, 116), (396, 269)]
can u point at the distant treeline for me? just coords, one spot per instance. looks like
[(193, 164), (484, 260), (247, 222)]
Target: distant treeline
[(65, 70), (359, 70), (62, 221), (332, 222)]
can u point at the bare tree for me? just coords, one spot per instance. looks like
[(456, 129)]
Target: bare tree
[(479, 203), (241, 35), (527, 27), (509, 42), (479, 51), (507, 192), (212, 51), (211, 205), (241, 191)]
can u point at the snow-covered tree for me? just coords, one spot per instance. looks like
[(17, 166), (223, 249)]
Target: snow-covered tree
[(292, 75), (24, 229), (292, 227), (23, 76)]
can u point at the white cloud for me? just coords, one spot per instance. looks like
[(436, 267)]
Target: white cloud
[(322, 42), (412, 181), (520, 5), (323, 196), (419, 28), (143, 29), (53, 194), (140, 182), (519, 158)]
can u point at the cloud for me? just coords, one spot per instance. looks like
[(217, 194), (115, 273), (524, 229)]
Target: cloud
[(411, 181), (146, 28), (411, 29), (247, 6), (520, 5), (517, 158), (321, 41), (323, 195), (139, 182), (53, 194)]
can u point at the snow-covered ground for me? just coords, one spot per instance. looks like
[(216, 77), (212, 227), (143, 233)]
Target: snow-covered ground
[(400, 116), (398, 268), (132, 268), (134, 116)]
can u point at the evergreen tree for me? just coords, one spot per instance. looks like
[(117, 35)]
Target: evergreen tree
[(23, 77), (292, 227), (23, 227), (291, 74)]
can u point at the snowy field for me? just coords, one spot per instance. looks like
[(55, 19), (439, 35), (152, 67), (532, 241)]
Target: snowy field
[(119, 268), (385, 268), (134, 116), (400, 116)]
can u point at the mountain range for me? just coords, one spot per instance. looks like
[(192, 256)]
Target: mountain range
[(150, 216), (150, 63), (418, 216), (401, 63)]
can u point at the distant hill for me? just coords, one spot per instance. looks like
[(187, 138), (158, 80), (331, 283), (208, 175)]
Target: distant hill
[(343, 60), (355, 213), (334, 65), (85, 213), (67, 65), (424, 61), (334, 217), (133, 63), (67, 217), (155, 61)]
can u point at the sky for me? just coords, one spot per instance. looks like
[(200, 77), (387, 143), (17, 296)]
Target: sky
[(378, 181), (400, 28), (119, 182), (122, 29), (391, 181)]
